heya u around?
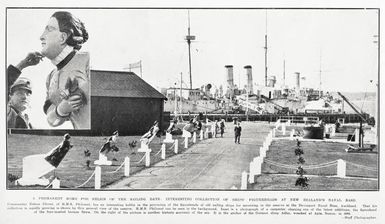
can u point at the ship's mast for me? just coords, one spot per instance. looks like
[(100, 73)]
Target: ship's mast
[(181, 102), (266, 51), (189, 38), (320, 74), (176, 102), (284, 70)]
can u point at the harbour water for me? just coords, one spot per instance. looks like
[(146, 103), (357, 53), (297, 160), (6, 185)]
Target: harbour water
[(366, 106)]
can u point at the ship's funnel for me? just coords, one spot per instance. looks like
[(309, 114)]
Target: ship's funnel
[(230, 76), (249, 79), (297, 76), (271, 81), (207, 89)]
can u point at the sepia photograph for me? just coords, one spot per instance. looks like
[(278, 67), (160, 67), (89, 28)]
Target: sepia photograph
[(187, 99)]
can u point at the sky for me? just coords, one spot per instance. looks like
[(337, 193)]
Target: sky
[(337, 42)]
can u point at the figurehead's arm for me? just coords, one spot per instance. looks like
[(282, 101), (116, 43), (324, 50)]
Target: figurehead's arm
[(73, 99)]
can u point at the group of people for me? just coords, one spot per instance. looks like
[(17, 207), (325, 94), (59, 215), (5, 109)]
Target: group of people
[(195, 125), (68, 89), (218, 127)]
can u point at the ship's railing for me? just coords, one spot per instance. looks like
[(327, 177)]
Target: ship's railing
[(299, 120), (228, 117)]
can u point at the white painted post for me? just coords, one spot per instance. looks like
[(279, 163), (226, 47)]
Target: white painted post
[(326, 129), (207, 132), (252, 172), (262, 152), (127, 166), (176, 146), (341, 168), (292, 134), (357, 136), (270, 137), (148, 160), (185, 142), (56, 183), (277, 123), (258, 165), (274, 129), (333, 130), (168, 138), (244, 181), (163, 151), (98, 177), (194, 137), (201, 135), (284, 128)]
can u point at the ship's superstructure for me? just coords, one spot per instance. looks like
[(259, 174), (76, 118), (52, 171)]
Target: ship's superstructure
[(252, 98)]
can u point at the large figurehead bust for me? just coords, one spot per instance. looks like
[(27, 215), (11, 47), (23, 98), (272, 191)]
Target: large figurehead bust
[(61, 30), (68, 86)]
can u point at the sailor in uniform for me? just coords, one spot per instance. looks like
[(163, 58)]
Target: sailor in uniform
[(20, 93)]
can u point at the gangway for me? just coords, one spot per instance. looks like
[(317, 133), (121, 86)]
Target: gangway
[(279, 108), (251, 106)]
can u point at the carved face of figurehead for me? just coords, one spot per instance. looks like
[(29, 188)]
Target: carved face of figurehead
[(52, 40)]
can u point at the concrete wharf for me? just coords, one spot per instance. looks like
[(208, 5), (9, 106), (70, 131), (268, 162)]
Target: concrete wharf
[(215, 163)]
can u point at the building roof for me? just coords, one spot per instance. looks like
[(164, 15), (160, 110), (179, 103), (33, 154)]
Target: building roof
[(121, 84)]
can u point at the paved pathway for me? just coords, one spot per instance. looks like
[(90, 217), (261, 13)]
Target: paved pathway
[(215, 163)]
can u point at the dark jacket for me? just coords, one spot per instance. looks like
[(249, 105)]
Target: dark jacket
[(16, 120), (198, 125), (237, 130)]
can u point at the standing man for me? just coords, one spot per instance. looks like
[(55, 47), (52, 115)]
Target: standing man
[(197, 125), (19, 98), (222, 127), (237, 132), (19, 91)]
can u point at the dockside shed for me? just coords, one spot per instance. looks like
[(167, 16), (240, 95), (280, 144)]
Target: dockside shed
[(123, 101)]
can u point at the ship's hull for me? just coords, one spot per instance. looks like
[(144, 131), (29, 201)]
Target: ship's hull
[(199, 106)]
